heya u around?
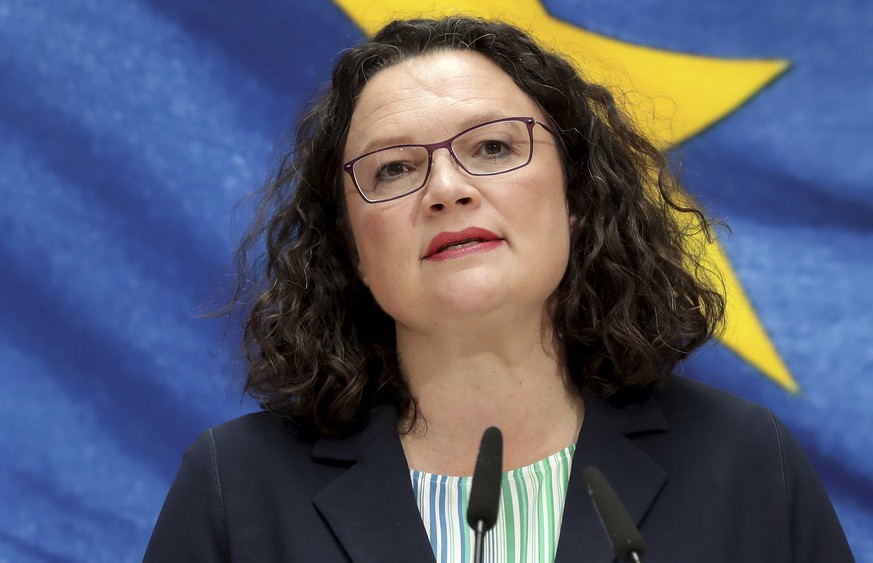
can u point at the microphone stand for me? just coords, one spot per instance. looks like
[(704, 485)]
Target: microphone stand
[(479, 534)]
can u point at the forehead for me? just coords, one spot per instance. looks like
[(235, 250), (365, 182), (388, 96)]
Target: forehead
[(431, 97)]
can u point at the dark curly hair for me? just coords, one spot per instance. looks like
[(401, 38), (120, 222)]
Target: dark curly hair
[(633, 302)]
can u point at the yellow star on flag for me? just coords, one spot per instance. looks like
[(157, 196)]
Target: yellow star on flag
[(672, 96)]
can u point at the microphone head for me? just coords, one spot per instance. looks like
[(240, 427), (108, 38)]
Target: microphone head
[(623, 534), (485, 489)]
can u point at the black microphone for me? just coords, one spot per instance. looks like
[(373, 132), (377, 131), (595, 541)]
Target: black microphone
[(485, 488), (623, 534)]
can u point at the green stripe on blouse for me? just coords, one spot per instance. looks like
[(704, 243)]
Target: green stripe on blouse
[(528, 521)]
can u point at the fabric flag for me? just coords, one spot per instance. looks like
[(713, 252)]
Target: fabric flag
[(129, 130)]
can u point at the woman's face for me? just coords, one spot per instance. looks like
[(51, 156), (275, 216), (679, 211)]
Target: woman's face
[(518, 265)]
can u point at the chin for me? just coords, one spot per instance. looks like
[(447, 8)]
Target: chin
[(471, 301)]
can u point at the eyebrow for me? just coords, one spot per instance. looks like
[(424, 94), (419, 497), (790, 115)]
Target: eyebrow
[(378, 143)]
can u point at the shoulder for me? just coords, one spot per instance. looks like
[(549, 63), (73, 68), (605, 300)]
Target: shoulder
[(733, 440), (681, 389), (684, 410), (261, 449), (256, 431), (244, 440), (265, 433), (719, 442), (691, 404), (708, 429), (245, 489), (256, 450), (224, 478), (263, 471)]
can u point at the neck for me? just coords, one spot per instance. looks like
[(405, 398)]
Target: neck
[(465, 381)]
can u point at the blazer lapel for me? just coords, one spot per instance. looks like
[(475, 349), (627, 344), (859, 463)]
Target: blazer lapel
[(636, 478), (370, 507)]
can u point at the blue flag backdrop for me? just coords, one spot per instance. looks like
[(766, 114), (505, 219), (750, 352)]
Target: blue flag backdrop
[(130, 129)]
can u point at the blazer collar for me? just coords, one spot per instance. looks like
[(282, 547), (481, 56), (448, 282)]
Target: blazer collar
[(370, 507), (604, 442), (373, 513)]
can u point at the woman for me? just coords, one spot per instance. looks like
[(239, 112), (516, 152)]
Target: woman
[(467, 234)]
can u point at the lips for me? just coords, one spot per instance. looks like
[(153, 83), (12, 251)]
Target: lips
[(467, 241)]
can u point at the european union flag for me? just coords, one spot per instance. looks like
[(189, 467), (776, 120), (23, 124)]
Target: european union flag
[(130, 129)]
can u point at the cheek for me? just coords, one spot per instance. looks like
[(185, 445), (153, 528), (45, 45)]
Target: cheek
[(553, 222), (548, 194), (362, 235), (357, 218), (380, 246)]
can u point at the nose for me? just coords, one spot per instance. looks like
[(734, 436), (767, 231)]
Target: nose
[(448, 185)]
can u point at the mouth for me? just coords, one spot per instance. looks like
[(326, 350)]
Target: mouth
[(456, 243), (463, 244)]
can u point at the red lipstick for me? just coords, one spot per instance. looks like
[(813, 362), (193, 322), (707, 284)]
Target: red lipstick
[(471, 240)]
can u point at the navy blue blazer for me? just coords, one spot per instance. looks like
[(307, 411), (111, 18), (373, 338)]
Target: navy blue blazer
[(706, 476)]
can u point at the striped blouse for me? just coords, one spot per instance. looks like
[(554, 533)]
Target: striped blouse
[(528, 521)]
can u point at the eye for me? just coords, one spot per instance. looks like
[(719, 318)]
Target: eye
[(493, 148), (393, 170)]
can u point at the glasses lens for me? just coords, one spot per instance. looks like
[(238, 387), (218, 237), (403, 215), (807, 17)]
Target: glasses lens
[(391, 172), (494, 148)]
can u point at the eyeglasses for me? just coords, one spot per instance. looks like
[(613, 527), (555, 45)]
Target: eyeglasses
[(494, 147)]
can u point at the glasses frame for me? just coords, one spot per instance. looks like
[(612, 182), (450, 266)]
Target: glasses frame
[(349, 166)]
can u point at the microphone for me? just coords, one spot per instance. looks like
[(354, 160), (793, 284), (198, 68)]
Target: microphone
[(623, 534), (485, 489)]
